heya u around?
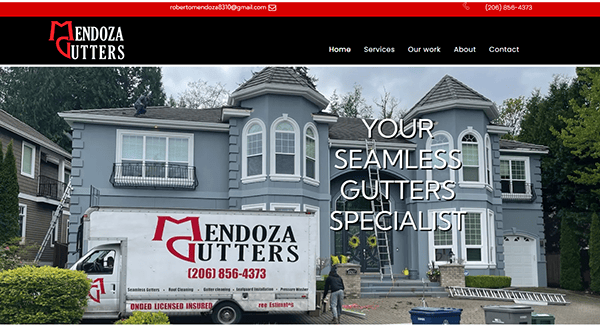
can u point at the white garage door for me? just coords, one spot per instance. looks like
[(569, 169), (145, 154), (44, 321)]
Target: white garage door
[(520, 260)]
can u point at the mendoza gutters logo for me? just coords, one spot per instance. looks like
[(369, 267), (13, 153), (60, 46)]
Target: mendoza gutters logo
[(72, 45)]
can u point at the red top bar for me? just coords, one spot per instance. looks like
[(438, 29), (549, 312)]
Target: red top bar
[(299, 9)]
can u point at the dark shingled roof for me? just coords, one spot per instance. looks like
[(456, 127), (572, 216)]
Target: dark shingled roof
[(449, 88), (517, 145), (160, 113), (280, 75), (349, 128)]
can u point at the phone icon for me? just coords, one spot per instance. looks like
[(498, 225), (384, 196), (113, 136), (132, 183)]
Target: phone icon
[(465, 5)]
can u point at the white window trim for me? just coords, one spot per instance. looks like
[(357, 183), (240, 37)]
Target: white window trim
[(488, 163), (23, 233), (491, 223), (285, 177), (527, 174), (255, 207), (32, 174), (263, 175), (450, 148), (484, 263), (279, 206), (119, 146), (454, 228), (309, 180), (481, 159)]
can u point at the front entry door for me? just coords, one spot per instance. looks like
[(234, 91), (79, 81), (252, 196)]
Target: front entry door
[(360, 246)]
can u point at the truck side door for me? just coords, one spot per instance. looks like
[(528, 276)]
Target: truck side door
[(102, 267)]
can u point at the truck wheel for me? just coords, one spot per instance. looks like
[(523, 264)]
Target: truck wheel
[(226, 313)]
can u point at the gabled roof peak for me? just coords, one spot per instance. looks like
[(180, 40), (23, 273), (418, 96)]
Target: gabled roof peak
[(451, 93), (278, 80)]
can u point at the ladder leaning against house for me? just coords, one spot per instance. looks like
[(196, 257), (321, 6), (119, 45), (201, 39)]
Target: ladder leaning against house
[(378, 205), (54, 221)]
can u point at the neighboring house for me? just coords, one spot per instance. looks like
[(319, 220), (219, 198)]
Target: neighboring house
[(43, 169), (275, 148)]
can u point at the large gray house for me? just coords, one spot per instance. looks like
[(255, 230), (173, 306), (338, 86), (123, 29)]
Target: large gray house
[(274, 147)]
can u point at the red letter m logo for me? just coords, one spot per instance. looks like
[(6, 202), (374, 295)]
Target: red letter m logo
[(195, 237), (69, 24)]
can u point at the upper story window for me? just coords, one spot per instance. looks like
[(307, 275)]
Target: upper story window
[(515, 177), (285, 143), (311, 152), (154, 159), (253, 151), (440, 145), (488, 161), (28, 160), (473, 159), (470, 153)]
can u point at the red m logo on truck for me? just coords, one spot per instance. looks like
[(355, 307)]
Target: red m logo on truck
[(195, 237)]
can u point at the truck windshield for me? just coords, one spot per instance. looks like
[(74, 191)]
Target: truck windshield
[(100, 261)]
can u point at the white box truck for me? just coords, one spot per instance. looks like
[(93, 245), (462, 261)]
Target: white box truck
[(189, 262)]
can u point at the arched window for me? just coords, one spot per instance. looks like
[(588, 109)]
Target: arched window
[(470, 158), (285, 143), (441, 142), (253, 162), (311, 154), (488, 160)]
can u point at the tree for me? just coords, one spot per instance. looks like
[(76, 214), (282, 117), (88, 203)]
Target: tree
[(512, 112), (388, 106), (581, 132), (559, 192), (35, 95), (351, 104), (200, 94), (570, 259), (595, 254), (9, 197)]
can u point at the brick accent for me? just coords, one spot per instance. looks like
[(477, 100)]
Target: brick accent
[(350, 273), (452, 275)]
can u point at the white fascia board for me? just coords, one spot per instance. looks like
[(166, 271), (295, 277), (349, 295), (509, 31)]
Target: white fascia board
[(325, 119), (227, 113), (524, 151), (145, 122), (362, 145), (499, 129), (279, 89)]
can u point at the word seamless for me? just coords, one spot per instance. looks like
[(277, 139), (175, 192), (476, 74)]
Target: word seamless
[(414, 189)]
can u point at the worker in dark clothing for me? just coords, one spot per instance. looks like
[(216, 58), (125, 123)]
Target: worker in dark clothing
[(335, 283)]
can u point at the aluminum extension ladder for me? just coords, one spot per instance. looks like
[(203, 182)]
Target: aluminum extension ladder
[(508, 295), (54, 221), (378, 205)]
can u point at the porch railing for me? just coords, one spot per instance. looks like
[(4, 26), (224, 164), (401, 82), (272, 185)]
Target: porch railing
[(50, 188)]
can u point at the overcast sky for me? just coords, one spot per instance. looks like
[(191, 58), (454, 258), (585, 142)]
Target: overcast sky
[(408, 84)]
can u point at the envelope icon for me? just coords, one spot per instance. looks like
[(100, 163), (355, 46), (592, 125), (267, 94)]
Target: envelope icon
[(272, 7)]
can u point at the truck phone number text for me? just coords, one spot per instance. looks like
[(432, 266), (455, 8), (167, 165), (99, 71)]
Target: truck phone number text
[(226, 273)]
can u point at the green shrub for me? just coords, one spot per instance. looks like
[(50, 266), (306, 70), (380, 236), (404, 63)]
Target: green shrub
[(321, 284), (487, 281), (140, 317), (14, 254), (42, 295)]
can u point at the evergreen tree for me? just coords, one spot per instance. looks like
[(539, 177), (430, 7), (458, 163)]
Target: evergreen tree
[(595, 253), (570, 259), (9, 197)]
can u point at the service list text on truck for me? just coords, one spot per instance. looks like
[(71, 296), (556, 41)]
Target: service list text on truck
[(186, 262)]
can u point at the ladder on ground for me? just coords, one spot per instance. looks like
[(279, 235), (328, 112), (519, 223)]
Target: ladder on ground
[(508, 295), (378, 205), (54, 221)]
